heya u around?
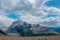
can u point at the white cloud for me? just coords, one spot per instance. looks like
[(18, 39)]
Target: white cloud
[(8, 5), (32, 11), (52, 10), (5, 21), (30, 19), (32, 1), (51, 22)]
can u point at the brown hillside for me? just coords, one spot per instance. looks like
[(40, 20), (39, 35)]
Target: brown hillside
[(4, 37)]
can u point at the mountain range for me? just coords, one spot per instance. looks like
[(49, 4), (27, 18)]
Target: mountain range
[(20, 28)]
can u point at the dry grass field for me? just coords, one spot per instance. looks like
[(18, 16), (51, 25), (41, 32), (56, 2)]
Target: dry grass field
[(4, 37)]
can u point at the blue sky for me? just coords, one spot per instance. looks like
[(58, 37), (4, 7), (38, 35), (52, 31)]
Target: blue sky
[(12, 15), (53, 3)]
